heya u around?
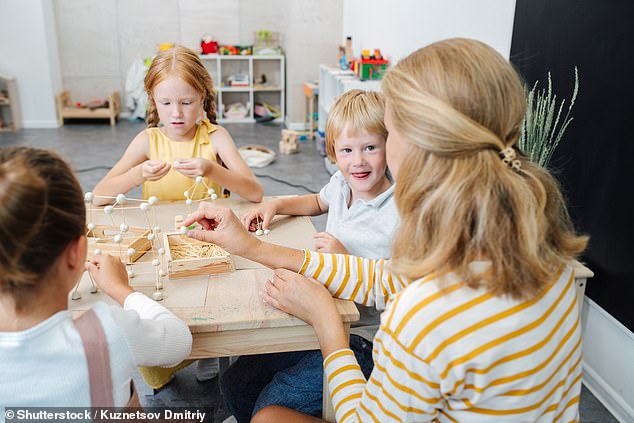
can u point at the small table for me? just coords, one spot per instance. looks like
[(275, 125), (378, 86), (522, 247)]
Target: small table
[(225, 312)]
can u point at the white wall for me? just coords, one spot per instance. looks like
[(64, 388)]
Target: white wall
[(401, 27), (100, 39), (28, 47), (608, 368)]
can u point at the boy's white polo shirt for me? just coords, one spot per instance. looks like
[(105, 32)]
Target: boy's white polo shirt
[(367, 227)]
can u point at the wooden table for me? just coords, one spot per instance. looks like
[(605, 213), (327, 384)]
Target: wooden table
[(225, 313)]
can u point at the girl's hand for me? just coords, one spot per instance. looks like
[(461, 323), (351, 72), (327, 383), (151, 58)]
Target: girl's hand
[(304, 298), (110, 274), (221, 227), (193, 167), (153, 170), (326, 243), (261, 214)]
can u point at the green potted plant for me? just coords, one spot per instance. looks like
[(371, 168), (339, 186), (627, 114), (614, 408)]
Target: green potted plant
[(542, 127)]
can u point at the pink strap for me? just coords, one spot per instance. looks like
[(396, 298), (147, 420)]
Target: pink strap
[(97, 357)]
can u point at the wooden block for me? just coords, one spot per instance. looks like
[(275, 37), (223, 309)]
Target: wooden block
[(186, 257), (102, 237)]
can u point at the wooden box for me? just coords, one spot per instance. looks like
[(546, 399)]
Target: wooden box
[(189, 257), (102, 237)]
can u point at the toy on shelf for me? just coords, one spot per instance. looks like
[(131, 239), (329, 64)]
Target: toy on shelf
[(265, 112), (267, 43), (208, 45), (236, 50), (370, 66), (289, 143), (236, 111), (237, 80)]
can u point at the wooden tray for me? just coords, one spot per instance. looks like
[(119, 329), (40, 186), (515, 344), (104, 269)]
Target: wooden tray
[(102, 237), (180, 266)]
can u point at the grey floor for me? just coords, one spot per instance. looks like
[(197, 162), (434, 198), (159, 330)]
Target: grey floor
[(93, 147)]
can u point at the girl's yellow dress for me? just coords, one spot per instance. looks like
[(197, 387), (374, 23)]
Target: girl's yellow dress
[(172, 186)]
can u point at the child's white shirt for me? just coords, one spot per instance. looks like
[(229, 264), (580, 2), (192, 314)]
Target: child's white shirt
[(367, 227), (46, 366)]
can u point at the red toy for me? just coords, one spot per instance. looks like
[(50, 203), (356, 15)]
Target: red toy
[(208, 45)]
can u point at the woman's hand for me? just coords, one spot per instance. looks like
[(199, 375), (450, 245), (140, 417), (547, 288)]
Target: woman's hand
[(111, 276), (259, 217), (326, 243), (302, 297), (194, 167), (310, 301), (153, 170), (221, 227)]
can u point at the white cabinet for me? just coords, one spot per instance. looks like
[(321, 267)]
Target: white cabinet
[(332, 83), (10, 119), (247, 80)]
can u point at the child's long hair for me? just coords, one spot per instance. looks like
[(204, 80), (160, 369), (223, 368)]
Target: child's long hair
[(42, 212), (355, 111), (184, 63), (459, 103)]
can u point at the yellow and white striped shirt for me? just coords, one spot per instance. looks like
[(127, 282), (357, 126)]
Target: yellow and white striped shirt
[(449, 353)]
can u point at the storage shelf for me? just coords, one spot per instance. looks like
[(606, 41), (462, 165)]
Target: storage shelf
[(273, 67), (234, 89), (267, 88), (333, 82)]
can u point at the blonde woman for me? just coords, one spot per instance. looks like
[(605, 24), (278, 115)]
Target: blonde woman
[(480, 322)]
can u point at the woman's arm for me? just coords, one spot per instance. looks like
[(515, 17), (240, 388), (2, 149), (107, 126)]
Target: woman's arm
[(237, 177), (131, 170), (402, 383), (362, 280)]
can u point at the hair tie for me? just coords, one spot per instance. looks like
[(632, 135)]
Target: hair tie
[(510, 158)]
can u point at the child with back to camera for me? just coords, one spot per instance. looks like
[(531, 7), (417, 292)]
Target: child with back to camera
[(49, 359), (362, 217), (481, 318), (182, 141)]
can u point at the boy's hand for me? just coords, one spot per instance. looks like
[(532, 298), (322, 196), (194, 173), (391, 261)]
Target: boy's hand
[(193, 167), (326, 243), (221, 227), (153, 170), (261, 214), (110, 274)]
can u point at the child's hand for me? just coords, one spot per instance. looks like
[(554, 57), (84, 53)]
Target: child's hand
[(193, 167), (110, 274), (326, 243), (302, 297), (153, 170), (221, 227), (262, 214)]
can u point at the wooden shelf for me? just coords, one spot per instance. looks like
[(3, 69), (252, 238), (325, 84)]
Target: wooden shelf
[(66, 111), (10, 118)]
